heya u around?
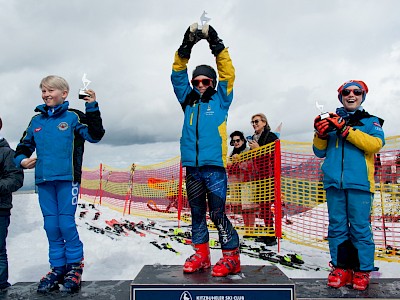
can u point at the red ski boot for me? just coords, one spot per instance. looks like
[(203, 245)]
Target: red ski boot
[(339, 277), (361, 280), (198, 261), (228, 264)]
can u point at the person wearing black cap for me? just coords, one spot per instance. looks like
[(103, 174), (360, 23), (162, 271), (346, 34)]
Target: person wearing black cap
[(11, 179), (348, 141), (240, 171), (204, 147)]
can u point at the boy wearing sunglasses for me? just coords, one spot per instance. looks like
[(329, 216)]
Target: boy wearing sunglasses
[(348, 140), (204, 148)]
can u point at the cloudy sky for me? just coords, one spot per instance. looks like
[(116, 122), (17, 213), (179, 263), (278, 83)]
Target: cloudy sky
[(287, 55)]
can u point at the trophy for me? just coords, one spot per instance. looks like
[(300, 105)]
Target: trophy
[(203, 21), (320, 107), (82, 91), (198, 33)]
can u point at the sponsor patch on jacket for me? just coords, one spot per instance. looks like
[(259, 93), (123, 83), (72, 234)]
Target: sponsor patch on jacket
[(38, 129), (62, 126), (377, 126)]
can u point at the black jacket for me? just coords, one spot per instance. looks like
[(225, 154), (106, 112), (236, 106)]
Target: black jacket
[(11, 177), (267, 137)]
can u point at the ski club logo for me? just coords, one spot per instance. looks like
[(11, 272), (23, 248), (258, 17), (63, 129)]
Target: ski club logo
[(185, 296), (209, 111), (63, 126), (38, 129)]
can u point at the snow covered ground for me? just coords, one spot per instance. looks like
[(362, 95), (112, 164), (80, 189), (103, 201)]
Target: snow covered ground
[(122, 259)]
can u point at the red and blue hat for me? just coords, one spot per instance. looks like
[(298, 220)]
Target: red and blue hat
[(359, 83)]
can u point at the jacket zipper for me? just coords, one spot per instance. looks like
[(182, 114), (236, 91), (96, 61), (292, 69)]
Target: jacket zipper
[(197, 135), (341, 175)]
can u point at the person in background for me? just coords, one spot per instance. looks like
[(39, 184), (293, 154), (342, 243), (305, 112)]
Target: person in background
[(239, 175), (348, 141), (204, 148), (261, 137), (58, 133), (11, 179)]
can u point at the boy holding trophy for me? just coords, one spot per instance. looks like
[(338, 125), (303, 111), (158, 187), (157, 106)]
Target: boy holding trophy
[(348, 140), (58, 133), (204, 147)]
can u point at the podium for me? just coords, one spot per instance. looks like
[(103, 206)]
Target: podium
[(156, 282)]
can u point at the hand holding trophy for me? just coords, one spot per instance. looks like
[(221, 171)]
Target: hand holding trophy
[(85, 93)]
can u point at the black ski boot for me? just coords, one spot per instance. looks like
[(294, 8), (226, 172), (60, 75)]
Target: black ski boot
[(50, 282), (72, 280)]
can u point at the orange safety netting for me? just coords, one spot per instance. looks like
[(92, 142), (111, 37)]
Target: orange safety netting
[(273, 190)]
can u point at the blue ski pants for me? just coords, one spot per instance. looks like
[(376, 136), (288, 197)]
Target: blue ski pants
[(58, 201), (349, 219), (204, 185)]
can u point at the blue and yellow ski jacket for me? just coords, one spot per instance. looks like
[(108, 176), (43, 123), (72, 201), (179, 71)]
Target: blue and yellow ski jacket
[(204, 137), (349, 162), (58, 139)]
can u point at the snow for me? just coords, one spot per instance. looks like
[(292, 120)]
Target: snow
[(122, 259)]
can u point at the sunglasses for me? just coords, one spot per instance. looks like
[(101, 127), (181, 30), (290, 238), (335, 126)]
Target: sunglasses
[(205, 82), (356, 92), (235, 141), (255, 122)]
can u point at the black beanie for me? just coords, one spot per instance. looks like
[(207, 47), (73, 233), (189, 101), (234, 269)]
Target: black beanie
[(206, 71)]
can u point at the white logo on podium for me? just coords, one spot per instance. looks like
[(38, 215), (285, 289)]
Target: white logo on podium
[(185, 296)]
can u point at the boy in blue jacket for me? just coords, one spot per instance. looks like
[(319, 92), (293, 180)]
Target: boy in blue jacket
[(58, 133), (348, 140), (11, 179), (204, 148)]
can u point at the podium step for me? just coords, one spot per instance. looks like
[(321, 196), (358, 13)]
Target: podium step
[(248, 285)]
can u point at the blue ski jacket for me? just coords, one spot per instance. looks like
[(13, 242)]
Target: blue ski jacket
[(349, 162), (58, 139), (204, 137)]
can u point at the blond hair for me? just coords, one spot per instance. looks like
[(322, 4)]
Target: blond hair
[(263, 118), (56, 82)]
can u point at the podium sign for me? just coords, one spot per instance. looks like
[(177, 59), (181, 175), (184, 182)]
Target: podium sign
[(253, 283)]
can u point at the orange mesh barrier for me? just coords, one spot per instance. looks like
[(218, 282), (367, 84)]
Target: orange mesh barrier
[(253, 200), (273, 190)]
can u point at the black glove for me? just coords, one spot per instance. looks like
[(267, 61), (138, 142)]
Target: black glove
[(189, 40), (214, 41)]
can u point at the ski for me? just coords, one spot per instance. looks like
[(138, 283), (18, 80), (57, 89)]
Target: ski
[(293, 260), (107, 231), (166, 246)]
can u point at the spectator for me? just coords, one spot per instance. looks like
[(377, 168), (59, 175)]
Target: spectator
[(239, 175), (348, 141), (261, 137)]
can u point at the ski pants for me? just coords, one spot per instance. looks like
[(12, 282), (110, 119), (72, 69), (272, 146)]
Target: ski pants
[(349, 221), (4, 223), (209, 183), (58, 201)]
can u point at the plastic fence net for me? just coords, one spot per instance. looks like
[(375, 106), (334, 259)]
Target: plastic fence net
[(273, 190)]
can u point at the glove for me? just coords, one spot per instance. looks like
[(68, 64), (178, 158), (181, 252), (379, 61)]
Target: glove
[(322, 127), (189, 40), (339, 124), (214, 41)]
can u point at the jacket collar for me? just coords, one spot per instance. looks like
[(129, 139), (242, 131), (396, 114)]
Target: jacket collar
[(43, 108)]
